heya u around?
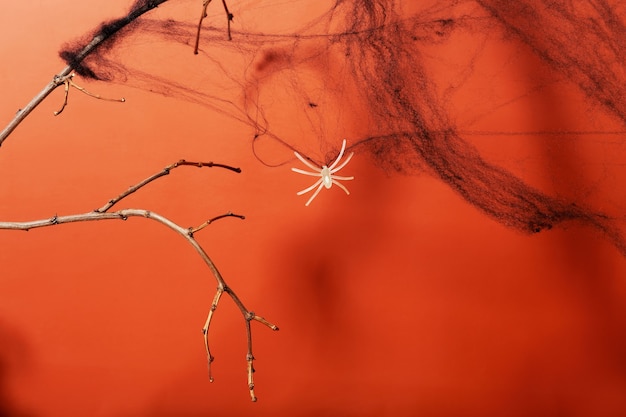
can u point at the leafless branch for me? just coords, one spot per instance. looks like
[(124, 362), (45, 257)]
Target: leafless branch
[(65, 77), (68, 81), (75, 63), (60, 79), (229, 18), (103, 213), (164, 171), (193, 230)]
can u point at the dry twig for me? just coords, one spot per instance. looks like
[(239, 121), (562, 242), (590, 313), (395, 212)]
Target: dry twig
[(75, 63), (203, 15), (64, 77), (103, 213), (69, 82), (59, 79)]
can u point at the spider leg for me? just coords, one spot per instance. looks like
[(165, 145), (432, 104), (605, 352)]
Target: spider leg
[(301, 171), (306, 190), (340, 185), (343, 164), (343, 149), (315, 193), (307, 163), (324, 173), (336, 177)]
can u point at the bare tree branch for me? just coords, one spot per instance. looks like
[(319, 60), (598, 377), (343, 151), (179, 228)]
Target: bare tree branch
[(229, 18), (108, 30), (105, 32), (64, 77), (68, 81), (187, 233), (193, 230), (165, 171)]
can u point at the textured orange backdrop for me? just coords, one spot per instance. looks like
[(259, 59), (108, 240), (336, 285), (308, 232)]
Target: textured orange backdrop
[(398, 300)]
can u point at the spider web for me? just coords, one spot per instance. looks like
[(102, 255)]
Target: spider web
[(423, 87)]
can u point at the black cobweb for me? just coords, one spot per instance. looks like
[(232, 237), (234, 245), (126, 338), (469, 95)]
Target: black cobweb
[(388, 75)]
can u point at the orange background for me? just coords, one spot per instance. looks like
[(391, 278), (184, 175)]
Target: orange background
[(398, 300)]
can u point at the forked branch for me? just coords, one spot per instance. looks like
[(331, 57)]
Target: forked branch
[(75, 63), (103, 213), (75, 60), (69, 82), (203, 15), (164, 171)]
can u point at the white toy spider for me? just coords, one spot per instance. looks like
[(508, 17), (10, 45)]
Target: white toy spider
[(326, 174)]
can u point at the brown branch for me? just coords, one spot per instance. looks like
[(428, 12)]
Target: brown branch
[(22, 113), (67, 94), (205, 329), (60, 78), (186, 233), (64, 77), (68, 81), (193, 230), (203, 15), (165, 171), (76, 60), (249, 316)]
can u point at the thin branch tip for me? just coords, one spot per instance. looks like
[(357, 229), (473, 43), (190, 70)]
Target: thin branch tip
[(193, 230), (165, 171), (264, 322), (68, 81), (60, 78), (204, 15)]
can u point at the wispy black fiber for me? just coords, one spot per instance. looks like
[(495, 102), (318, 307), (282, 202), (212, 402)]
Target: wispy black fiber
[(402, 96), (584, 40), (413, 131), (76, 55)]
